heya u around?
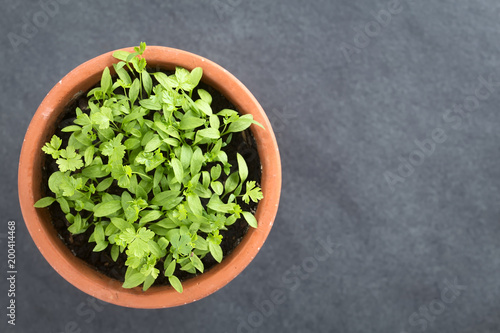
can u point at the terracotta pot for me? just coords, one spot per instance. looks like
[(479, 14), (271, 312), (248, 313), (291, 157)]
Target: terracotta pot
[(78, 272)]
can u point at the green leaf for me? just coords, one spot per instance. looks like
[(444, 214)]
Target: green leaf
[(215, 172), (186, 155), (252, 193), (115, 252), (214, 121), (195, 260), (147, 137), (216, 204), (201, 244), (227, 113), (155, 249), (52, 148), (252, 221), (232, 182), (203, 107), (114, 149), (163, 242), (135, 62), (104, 184), (242, 167), (230, 220), (173, 132), (211, 133), (101, 118), (222, 157), (132, 143), (121, 223), (123, 174), (147, 82), (123, 74), (133, 262), (194, 203), (217, 187), (150, 104), (182, 75), (178, 170), (258, 124), (148, 282), (164, 80), (138, 242), (216, 251), (204, 95), (134, 90), (195, 76), (188, 267), (82, 118), (69, 160), (59, 183), (110, 229), (160, 125), (107, 208), (176, 283), (64, 205), (134, 280), (150, 160), (128, 235), (150, 216), (190, 122), (164, 197), (142, 47), (158, 176), (79, 139), (196, 161), (121, 55), (171, 142), (169, 271), (106, 80), (89, 155), (142, 190), (100, 246), (206, 179), (202, 191), (44, 202), (241, 124), (95, 171), (71, 128), (153, 144), (99, 236), (78, 227)]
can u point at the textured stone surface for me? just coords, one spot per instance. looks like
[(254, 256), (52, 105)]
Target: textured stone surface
[(342, 121)]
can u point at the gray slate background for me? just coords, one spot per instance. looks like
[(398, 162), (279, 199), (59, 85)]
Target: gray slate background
[(342, 122)]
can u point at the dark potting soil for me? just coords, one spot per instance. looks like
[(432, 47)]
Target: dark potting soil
[(243, 143)]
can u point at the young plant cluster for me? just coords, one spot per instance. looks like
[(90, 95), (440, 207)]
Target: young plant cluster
[(143, 167)]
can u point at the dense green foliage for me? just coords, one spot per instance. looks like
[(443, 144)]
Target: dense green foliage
[(154, 144)]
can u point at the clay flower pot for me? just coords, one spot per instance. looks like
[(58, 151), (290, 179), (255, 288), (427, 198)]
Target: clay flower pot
[(85, 277)]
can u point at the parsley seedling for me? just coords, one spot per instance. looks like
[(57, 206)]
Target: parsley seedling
[(151, 143)]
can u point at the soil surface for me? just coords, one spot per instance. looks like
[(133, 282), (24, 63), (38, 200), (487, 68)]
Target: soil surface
[(243, 143)]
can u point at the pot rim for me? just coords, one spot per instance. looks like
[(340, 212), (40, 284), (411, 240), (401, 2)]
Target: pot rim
[(82, 275)]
